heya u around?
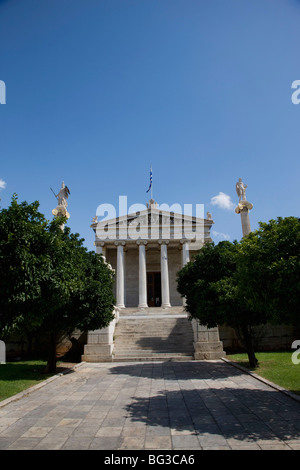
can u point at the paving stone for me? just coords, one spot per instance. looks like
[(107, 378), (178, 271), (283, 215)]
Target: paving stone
[(77, 443), (109, 432), (158, 442), (37, 431), (5, 442), (103, 443), (69, 422), (24, 443), (184, 441), (132, 443)]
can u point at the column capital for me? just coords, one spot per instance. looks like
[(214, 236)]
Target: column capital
[(184, 240), (98, 243), (120, 243), (163, 242), (141, 242)]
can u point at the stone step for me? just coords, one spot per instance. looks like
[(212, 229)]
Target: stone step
[(144, 344), (132, 351), (152, 346), (149, 352), (153, 357), (152, 311), (151, 334), (153, 324), (140, 357), (95, 349), (155, 320)]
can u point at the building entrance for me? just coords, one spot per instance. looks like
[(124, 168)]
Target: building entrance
[(154, 289)]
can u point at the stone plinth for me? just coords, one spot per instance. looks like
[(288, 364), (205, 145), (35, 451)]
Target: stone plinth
[(100, 343), (207, 344)]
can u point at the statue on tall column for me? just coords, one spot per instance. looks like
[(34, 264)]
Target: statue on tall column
[(243, 206), (62, 196)]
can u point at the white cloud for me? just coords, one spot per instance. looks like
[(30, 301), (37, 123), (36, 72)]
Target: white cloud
[(223, 236), (223, 201), (2, 184)]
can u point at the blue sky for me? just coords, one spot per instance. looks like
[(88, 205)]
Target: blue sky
[(97, 90)]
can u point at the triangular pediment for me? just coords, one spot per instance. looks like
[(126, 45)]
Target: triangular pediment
[(152, 224), (152, 215)]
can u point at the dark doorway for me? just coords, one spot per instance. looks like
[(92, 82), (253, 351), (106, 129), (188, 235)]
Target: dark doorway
[(153, 289)]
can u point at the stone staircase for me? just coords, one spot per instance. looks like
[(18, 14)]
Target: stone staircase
[(153, 335)]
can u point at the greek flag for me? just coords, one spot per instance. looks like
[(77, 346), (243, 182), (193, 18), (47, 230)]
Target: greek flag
[(150, 186)]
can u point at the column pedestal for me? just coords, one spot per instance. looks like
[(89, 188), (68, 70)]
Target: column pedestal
[(207, 344)]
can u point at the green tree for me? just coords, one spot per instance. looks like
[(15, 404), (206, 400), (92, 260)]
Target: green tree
[(23, 263), (213, 292), (269, 270), (49, 282), (246, 284), (78, 294)]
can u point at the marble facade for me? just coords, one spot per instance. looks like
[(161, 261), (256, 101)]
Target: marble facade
[(146, 250)]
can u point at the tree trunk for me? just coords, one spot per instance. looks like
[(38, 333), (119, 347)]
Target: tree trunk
[(51, 363), (248, 341), (29, 347)]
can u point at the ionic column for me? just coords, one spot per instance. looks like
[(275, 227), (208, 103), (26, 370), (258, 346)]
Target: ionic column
[(243, 207), (185, 258), (142, 274), (101, 249), (165, 290), (120, 275)]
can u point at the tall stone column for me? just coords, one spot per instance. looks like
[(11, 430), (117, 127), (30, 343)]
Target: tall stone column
[(185, 257), (101, 249), (165, 289), (142, 274), (120, 287), (243, 207), (246, 228)]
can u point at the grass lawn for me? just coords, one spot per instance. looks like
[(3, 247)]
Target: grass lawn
[(17, 376), (274, 366)]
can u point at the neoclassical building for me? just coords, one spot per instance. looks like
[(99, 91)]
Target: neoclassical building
[(147, 249)]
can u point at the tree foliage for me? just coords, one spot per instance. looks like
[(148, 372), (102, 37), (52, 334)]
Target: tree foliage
[(49, 282), (269, 269), (246, 284)]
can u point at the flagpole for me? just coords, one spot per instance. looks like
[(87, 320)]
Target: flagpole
[(151, 181)]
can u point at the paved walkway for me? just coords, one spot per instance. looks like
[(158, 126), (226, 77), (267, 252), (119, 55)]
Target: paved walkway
[(167, 405)]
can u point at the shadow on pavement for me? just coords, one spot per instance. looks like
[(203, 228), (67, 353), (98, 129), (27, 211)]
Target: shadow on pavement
[(212, 400)]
